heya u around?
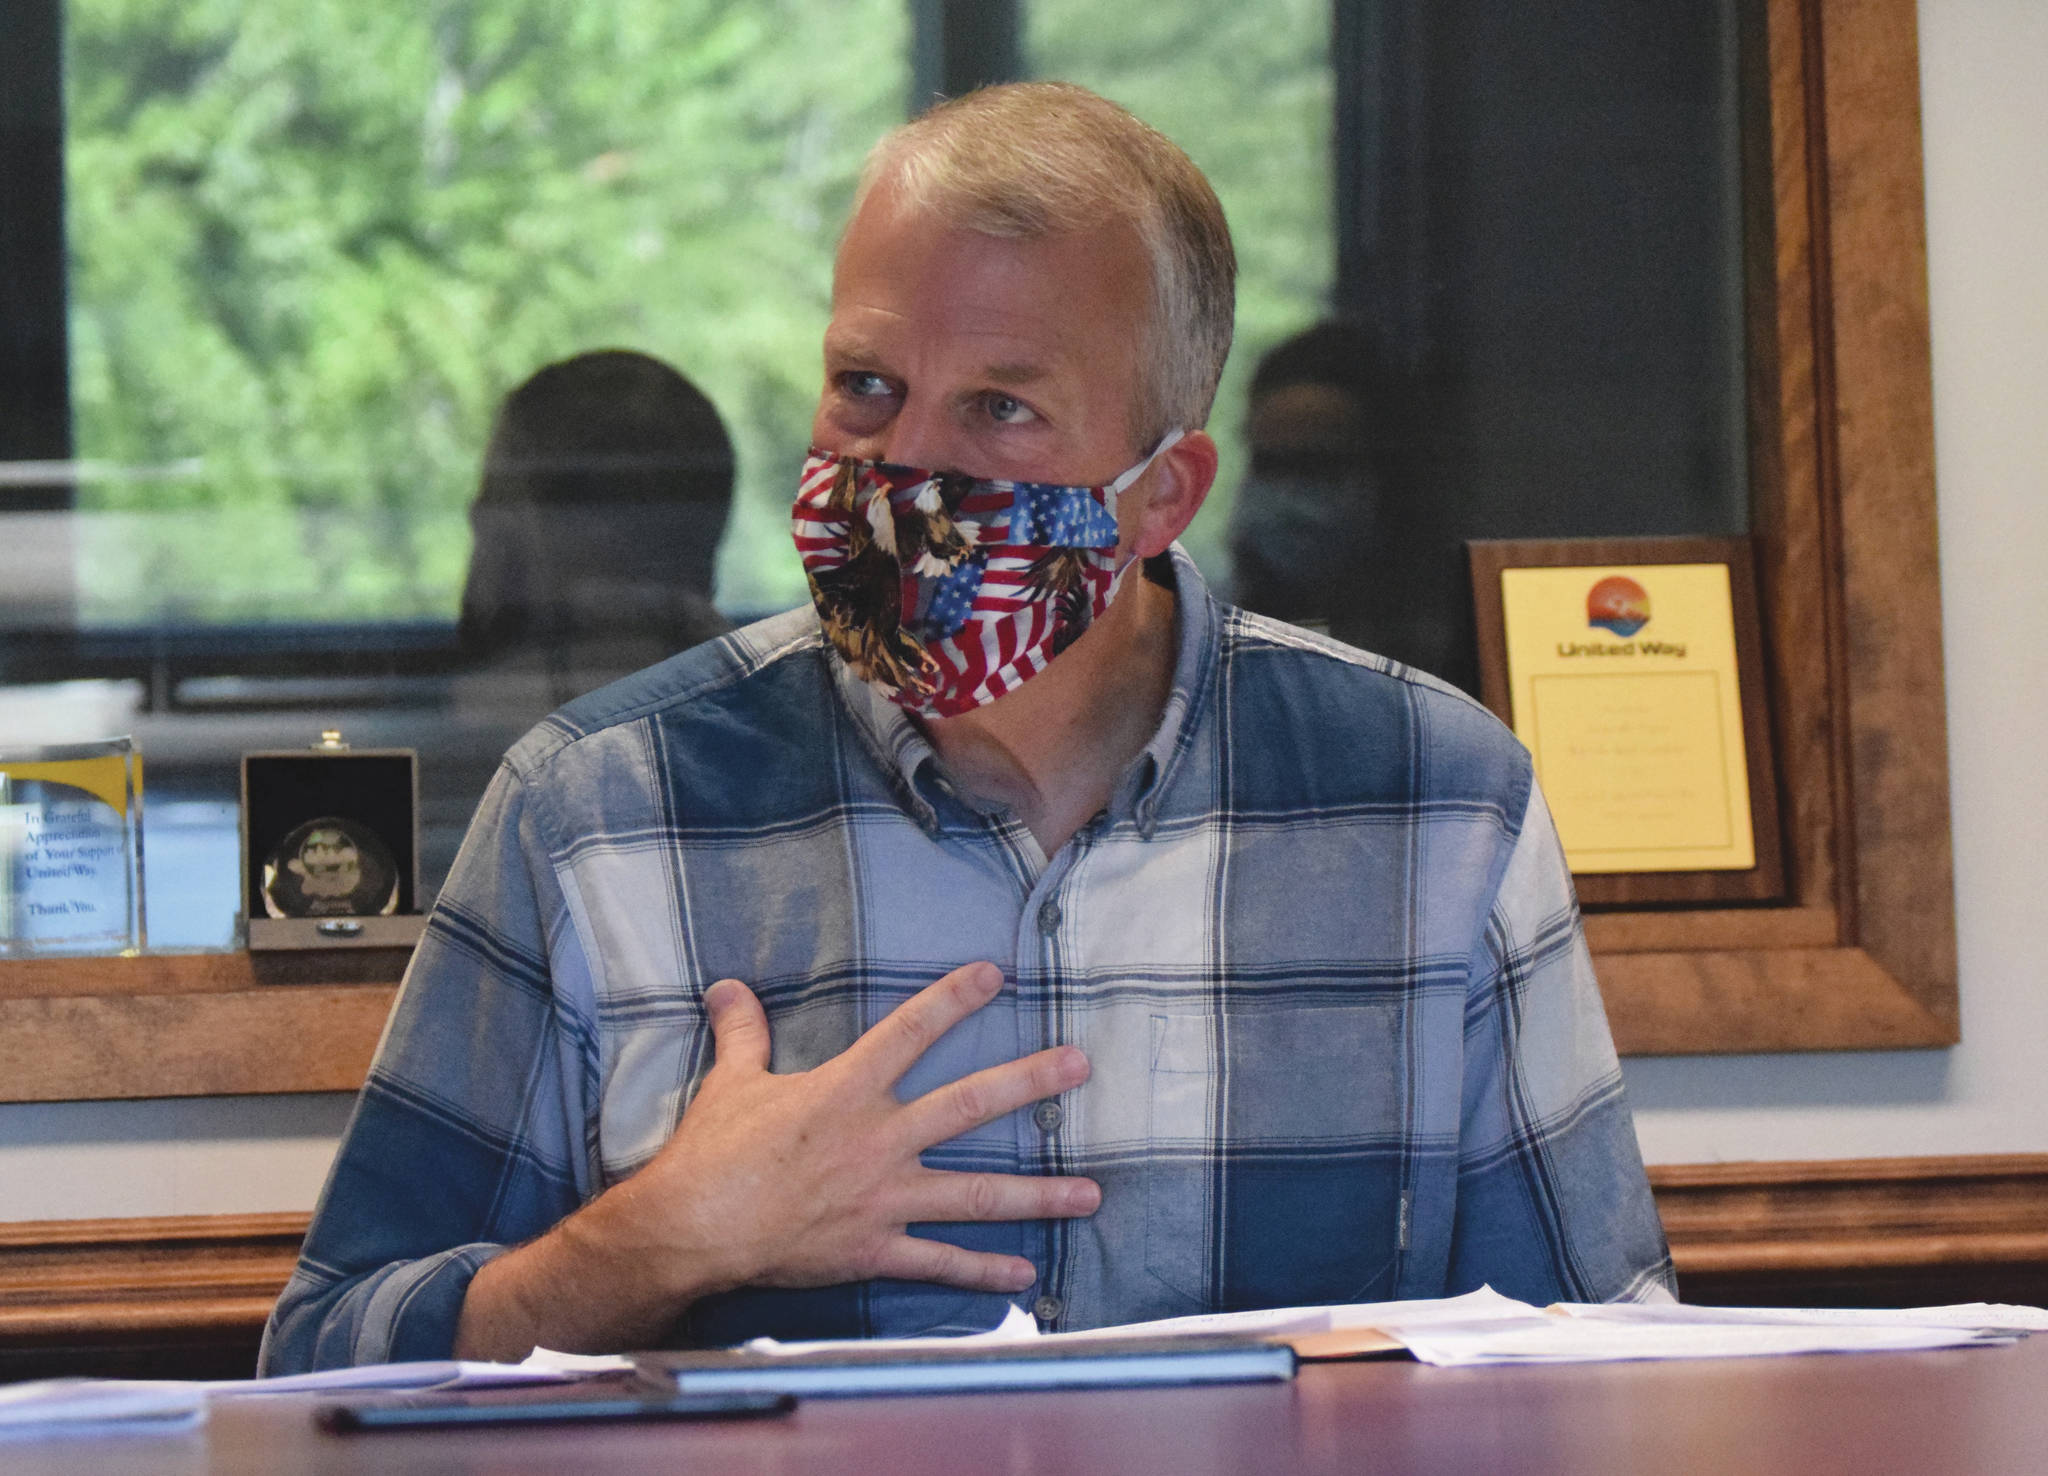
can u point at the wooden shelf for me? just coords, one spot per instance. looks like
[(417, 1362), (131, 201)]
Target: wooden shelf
[(192, 1025)]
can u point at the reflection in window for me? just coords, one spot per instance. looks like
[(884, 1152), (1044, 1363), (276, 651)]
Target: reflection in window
[(1246, 90), (1537, 327), (313, 247), (313, 243)]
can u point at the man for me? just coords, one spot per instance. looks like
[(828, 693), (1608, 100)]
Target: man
[(1259, 979)]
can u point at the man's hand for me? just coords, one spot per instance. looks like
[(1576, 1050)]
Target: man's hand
[(805, 1179)]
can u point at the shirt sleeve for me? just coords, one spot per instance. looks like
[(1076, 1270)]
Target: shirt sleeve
[(1553, 1203), (468, 1135)]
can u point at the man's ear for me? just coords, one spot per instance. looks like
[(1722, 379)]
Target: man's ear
[(1174, 488)]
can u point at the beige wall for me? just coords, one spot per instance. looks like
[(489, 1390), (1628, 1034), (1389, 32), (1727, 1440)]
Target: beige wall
[(1986, 120)]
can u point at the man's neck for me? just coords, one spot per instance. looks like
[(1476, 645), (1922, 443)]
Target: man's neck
[(1053, 750)]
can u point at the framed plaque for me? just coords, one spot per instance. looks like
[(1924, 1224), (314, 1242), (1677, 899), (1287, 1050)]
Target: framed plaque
[(1631, 669), (330, 847)]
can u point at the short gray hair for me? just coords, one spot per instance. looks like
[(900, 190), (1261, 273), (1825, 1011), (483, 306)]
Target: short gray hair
[(1026, 160)]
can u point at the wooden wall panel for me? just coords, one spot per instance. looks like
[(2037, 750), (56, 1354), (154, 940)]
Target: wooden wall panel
[(187, 1297), (177, 1297), (1860, 1232)]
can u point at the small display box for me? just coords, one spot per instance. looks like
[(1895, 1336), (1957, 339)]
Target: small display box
[(330, 847)]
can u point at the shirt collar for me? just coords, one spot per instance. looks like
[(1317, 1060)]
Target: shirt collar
[(908, 756)]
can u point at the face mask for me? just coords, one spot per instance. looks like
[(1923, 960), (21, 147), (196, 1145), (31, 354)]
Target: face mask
[(945, 591)]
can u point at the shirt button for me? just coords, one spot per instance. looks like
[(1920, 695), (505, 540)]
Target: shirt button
[(1048, 1309), (1049, 917), (1048, 1115)]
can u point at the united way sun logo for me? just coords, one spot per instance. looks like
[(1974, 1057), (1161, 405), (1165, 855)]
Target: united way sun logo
[(1619, 604)]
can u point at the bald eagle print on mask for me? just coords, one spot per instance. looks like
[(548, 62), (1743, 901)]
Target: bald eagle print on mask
[(946, 591)]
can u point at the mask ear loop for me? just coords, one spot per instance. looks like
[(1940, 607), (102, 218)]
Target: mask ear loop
[(1122, 484), (1113, 493)]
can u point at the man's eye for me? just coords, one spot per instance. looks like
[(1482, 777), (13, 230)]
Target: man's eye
[(863, 385), (1007, 410)]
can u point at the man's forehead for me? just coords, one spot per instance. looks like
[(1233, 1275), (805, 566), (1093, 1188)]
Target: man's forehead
[(1113, 243), (999, 293)]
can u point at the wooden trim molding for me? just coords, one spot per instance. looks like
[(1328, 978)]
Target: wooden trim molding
[(170, 1295), (1859, 1232), (69, 1279), (1842, 470), (174, 1297)]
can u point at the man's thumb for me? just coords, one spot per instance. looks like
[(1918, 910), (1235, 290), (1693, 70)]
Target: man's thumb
[(739, 1028)]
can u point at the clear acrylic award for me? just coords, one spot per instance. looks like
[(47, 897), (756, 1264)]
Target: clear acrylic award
[(71, 849)]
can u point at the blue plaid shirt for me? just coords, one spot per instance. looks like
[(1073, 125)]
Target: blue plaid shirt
[(1321, 950)]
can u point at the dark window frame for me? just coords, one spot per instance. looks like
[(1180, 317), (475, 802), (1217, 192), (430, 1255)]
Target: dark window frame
[(35, 401)]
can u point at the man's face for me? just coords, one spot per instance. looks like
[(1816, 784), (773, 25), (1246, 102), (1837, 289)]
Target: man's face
[(957, 351)]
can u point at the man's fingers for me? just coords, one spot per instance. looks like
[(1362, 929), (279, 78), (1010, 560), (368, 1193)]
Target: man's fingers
[(912, 1259), (948, 1111), (909, 1030), (940, 1194), (739, 1026)]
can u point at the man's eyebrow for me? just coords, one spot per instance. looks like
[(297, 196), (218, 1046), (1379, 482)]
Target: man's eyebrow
[(848, 348), (1015, 373)]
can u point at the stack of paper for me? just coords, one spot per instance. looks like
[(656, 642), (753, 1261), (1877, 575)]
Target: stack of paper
[(107, 1404), (1594, 1334), (542, 1366), (1484, 1327), (88, 1404)]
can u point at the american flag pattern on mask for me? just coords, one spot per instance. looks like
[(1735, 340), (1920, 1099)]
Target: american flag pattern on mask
[(945, 591)]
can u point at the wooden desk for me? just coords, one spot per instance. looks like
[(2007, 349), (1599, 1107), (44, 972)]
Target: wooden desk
[(1981, 1410)]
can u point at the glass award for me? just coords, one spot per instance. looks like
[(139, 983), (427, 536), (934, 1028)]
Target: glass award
[(71, 849), (330, 867)]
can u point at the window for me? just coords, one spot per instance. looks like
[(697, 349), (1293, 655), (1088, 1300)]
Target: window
[(309, 249), (1838, 477), (312, 245)]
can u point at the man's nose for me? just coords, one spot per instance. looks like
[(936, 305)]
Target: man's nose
[(922, 434)]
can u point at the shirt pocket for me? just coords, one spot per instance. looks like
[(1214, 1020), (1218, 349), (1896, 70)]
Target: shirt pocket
[(1281, 1179), (1181, 1113)]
